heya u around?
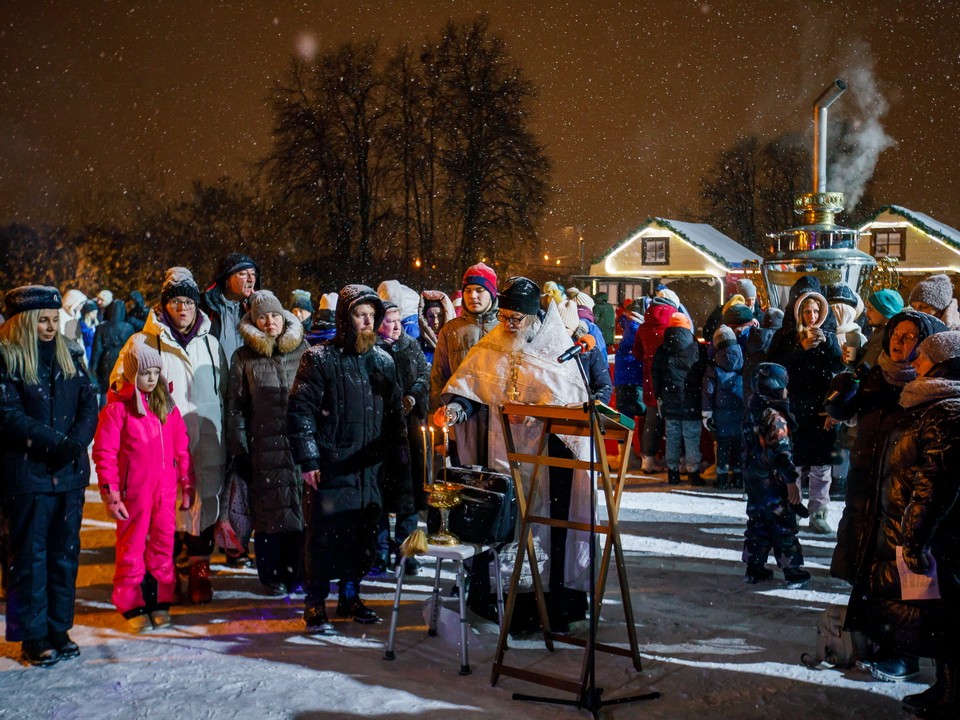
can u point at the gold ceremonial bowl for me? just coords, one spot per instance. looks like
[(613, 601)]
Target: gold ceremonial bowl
[(443, 496)]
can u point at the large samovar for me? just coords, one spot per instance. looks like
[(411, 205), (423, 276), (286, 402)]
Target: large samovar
[(818, 246)]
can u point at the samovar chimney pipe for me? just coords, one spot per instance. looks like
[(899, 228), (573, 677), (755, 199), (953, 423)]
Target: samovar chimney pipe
[(829, 96)]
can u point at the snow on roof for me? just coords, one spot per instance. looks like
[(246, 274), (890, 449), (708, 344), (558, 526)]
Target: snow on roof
[(706, 238), (924, 222)]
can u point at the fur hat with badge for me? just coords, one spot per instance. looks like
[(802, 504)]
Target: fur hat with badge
[(32, 297), (179, 282)]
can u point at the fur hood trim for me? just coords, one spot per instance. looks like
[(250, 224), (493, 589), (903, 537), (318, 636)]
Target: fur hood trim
[(258, 341)]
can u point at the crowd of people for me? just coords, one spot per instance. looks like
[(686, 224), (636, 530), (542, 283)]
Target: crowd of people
[(223, 416)]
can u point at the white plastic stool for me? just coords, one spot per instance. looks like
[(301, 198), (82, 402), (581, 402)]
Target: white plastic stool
[(457, 553)]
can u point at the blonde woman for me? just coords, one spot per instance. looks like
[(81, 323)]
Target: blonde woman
[(48, 416)]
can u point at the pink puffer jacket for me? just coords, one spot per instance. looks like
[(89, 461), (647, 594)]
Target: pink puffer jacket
[(136, 453)]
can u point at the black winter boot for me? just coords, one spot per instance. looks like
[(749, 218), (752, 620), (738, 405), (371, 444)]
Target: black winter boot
[(673, 476), (694, 479), (723, 481), (919, 701), (796, 577), (736, 480), (757, 574)]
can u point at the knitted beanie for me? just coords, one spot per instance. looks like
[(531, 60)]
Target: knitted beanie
[(842, 293), (941, 346), (234, 263), (263, 302), (770, 379), (723, 337), (886, 302), (179, 282), (482, 275), (568, 315), (670, 295), (746, 288), (521, 295), (32, 297), (580, 298), (678, 319), (772, 318), (137, 356), (737, 315), (301, 300), (328, 301), (936, 291)]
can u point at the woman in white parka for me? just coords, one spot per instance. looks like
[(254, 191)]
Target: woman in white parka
[(196, 368)]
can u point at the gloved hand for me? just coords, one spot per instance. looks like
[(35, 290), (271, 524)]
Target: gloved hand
[(65, 453), (311, 478), (188, 492), (708, 422), (919, 563), (450, 415), (226, 536), (111, 499)]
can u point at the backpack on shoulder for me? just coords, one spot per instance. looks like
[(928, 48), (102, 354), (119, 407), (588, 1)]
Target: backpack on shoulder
[(836, 647)]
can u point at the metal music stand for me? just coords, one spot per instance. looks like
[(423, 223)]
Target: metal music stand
[(598, 422)]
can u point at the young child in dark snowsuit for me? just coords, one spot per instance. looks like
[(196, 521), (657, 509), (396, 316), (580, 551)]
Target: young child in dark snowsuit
[(722, 405), (142, 453), (770, 479)]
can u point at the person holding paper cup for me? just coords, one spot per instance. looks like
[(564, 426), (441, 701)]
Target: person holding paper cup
[(918, 519)]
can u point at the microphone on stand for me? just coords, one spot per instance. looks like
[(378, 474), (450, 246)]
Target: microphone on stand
[(584, 344)]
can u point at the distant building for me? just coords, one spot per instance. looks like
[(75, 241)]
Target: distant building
[(922, 246), (695, 260)]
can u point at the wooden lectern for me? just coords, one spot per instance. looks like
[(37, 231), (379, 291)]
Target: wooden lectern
[(568, 421)]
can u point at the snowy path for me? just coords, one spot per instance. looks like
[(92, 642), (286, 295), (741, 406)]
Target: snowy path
[(714, 647)]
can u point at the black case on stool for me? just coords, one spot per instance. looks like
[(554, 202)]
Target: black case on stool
[(487, 513)]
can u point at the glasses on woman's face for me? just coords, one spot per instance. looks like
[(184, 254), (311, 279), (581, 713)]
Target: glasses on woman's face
[(903, 337), (188, 304), (511, 320)]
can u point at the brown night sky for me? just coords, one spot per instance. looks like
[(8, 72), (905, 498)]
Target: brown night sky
[(636, 98)]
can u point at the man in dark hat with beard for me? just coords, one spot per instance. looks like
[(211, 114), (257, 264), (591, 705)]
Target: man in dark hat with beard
[(346, 423)]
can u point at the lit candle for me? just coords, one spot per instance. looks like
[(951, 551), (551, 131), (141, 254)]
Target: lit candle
[(423, 429), (446, 439), (432, 446)]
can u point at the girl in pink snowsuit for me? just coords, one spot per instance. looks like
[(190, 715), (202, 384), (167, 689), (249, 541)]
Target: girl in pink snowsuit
[(142, 452)]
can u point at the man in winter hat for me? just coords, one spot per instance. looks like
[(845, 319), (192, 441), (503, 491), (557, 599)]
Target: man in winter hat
[(346, 424), (478, 315), (517, 362), (225, 301), (934, 296)]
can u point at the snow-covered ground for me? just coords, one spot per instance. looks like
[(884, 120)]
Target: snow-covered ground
[(713, 646)]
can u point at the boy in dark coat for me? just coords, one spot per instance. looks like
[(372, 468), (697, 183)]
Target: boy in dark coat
[(678, 367), (770, 479)]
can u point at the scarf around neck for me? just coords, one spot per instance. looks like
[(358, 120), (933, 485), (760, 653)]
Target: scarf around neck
[(927, 389), (896, 373)]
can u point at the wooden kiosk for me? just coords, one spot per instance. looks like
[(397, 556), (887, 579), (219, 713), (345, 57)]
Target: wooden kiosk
[(575, 421)]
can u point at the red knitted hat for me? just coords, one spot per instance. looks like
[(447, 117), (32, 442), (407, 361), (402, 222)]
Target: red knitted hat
[(482, 275)]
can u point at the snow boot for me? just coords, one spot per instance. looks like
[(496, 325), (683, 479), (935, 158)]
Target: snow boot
[(39, 653), (757, 574), (736, 480), (199, 589), (650, 465), (65, 647), (796, 577), (673, 477), (694, 479), (161, 619), (818, 522), (723, 481), (897, 669), (138, 620), (315, 618)]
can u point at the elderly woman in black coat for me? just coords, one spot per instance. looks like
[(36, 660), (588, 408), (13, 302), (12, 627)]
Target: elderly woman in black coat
[(48, 416), (916, 530), (261, 375)]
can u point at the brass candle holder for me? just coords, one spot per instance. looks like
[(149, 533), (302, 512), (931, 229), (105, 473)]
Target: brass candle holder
[(444, 496)]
